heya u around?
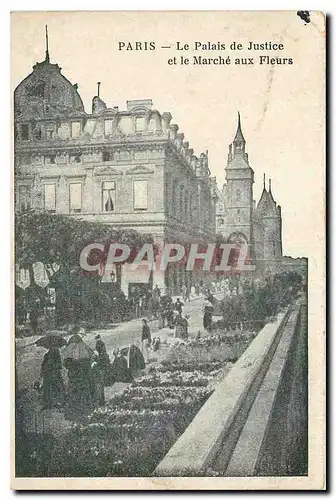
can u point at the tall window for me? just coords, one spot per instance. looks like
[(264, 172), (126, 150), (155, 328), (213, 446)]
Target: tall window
[(50, 197), (238, 215), (140, 195), (75, 129), (174, 200), (109, 196), (75, 197), (25, 132), (238, 194), (182, 197), (24, 197)]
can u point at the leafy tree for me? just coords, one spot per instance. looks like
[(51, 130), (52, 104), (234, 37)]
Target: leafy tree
[(57, 241)]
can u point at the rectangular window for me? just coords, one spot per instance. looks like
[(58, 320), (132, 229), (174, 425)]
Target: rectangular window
[(75, 197), (25, 132), (108, 196), (24, 198), (75, 129), (75, 158), (140, 195), (108, 127), (50, 197), (107, 156)]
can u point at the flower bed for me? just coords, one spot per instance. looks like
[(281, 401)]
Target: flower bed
[(219, 348), (133, 433)]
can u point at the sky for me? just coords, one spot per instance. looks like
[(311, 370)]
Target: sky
[(281, 106)]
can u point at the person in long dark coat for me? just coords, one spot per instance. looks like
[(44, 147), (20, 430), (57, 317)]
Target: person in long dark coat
[(120, 370), (170, 316), (34, 316), (79, 400), (100, 345), (97, 385), (145, 339), (135, 359), (53, 385), (103, 360), (179, 306), (207, 316)]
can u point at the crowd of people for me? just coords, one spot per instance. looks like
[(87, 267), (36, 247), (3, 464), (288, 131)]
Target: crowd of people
[(88, 372)]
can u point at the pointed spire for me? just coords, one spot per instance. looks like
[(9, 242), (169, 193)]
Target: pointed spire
[(270, 191), (239, 134), (98, 88), (264, 182), (47, 58)]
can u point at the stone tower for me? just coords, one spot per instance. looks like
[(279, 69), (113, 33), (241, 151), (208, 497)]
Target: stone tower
[(238, 192), (268, 232)]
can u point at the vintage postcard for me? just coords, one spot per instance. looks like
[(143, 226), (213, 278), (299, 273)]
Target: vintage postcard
[(169, 254)]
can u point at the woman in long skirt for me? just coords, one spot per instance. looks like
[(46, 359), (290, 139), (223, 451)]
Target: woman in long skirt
[(53, 385)]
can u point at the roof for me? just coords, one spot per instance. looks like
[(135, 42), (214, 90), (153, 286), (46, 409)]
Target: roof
[(46, 93), (266, 204)]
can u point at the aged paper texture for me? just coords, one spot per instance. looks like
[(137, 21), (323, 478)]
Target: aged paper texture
[(169, 181)]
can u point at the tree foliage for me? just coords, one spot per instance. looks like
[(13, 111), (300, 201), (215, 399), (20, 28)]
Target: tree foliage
[(57, 240)]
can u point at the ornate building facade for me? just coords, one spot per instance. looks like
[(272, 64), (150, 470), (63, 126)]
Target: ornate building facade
[(239, 219), (128, 168)]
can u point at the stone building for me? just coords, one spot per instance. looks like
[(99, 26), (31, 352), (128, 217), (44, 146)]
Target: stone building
[(128, 168), (240, 220)]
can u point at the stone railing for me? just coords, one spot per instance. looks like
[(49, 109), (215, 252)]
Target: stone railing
[(255, 421)]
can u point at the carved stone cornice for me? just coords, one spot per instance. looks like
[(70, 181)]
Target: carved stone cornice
[(97, 171), (139, 169)]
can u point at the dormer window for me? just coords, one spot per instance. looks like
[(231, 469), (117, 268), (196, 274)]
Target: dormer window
[(140, 124)]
